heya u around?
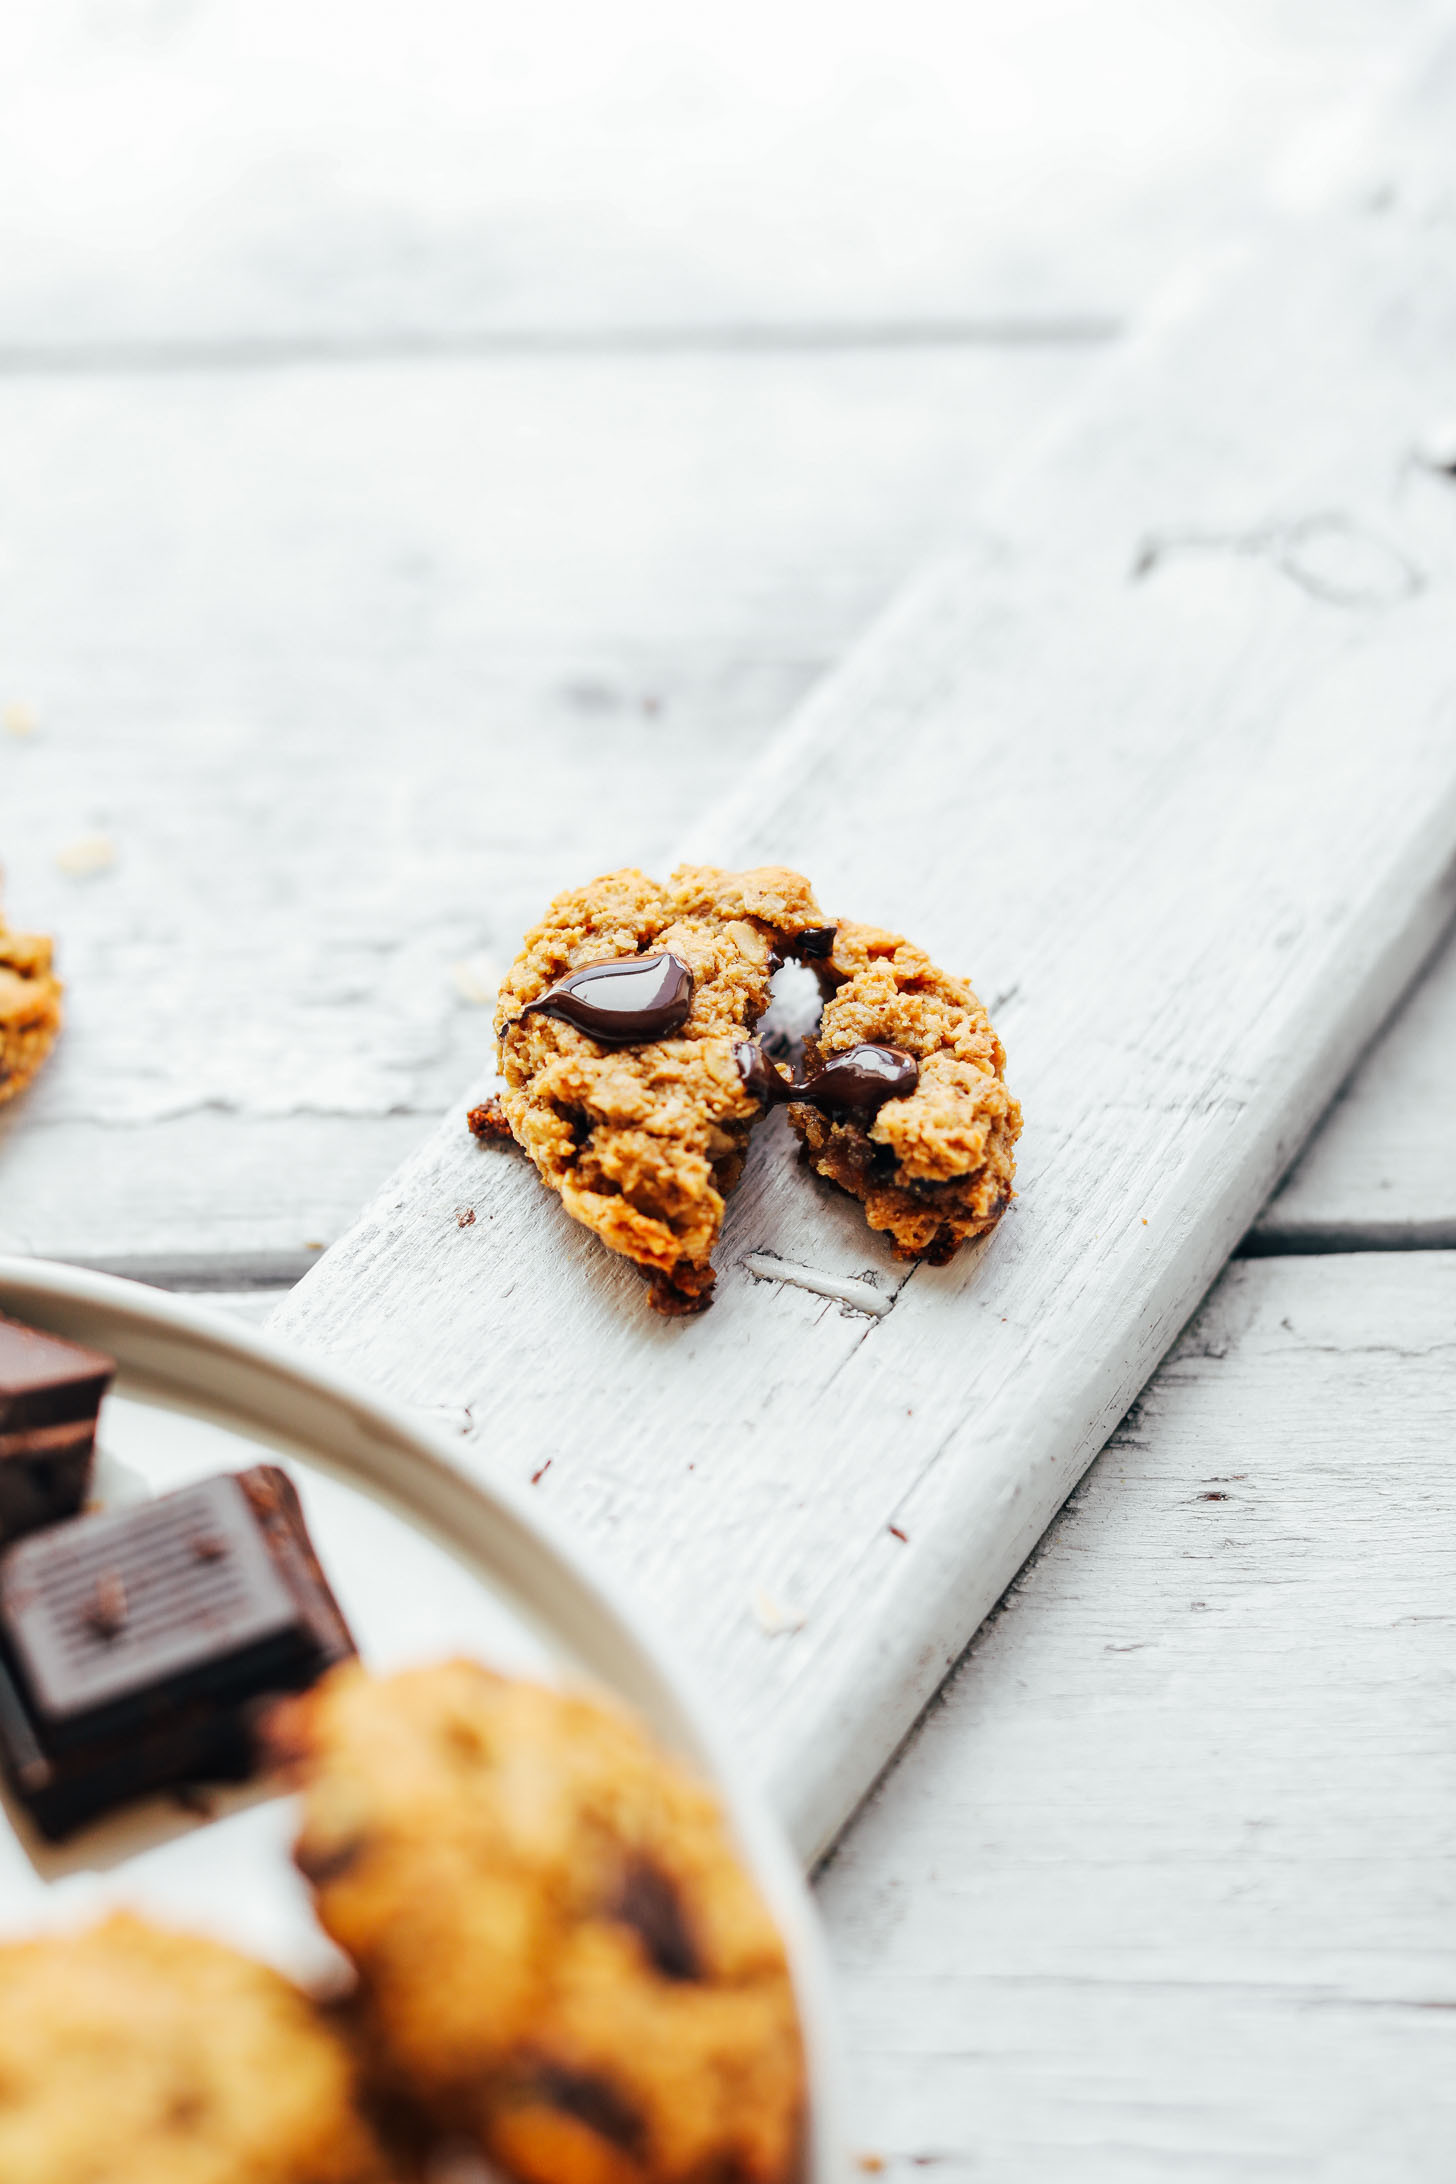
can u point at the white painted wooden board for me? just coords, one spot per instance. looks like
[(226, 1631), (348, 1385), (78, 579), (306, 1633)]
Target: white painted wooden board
[(1172, 771), (298, 646), (1165, 1884), (271, 625), (1381, 1170), (265, 175)]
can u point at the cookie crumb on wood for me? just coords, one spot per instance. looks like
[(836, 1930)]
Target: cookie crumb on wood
[(488, 1121)]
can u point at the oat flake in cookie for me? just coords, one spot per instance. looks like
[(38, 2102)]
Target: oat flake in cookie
[(642, 1128), (559, 1955), (934, 1167)]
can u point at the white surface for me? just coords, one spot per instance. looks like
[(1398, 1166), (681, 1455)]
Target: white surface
[(285, 634), (1165, 1885), (1121, 769), (1382, 1168), (351, 666), (1062, 2072), (427, 1561), (235, 172)]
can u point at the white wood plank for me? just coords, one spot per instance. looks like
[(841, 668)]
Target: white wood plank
[(1381, 1170), (1172, 775), (236, 172), (300, 645), (1165, 1885)]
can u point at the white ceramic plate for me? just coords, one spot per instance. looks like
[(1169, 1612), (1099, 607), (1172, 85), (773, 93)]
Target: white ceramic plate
[(425, 1561)]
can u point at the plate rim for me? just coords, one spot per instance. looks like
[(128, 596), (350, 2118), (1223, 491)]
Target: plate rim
[(241, 1356)]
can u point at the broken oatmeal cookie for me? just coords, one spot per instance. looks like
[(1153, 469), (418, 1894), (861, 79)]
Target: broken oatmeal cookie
[(933, 1166), (641, 1121), (30, 1007), (560, 1955)]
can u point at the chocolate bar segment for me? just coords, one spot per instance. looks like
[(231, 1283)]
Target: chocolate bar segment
[(50, 1392), (136, 1646)]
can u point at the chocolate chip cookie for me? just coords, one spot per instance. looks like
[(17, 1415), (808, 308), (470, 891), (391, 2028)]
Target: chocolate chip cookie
[(618, 1022), (30, 1007), (133, 2056), (927, 1141), (559, 1954)]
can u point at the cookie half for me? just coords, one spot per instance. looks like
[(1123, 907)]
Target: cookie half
[(641, 1124), (30, 1007), (559, 1955), (933, 1168), (145, 2057)]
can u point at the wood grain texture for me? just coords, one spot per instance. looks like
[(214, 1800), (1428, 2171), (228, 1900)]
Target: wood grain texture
[(1381, 1170), (185, 177), (1123, 768), (1164, 1885), (345, 664)]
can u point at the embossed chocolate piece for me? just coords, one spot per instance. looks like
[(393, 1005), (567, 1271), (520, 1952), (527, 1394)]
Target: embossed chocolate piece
[(134, 1646), (50, 1392), (623, 1003)]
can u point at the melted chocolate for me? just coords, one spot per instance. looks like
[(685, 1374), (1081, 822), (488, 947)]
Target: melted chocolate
[(859, 1081), (814, 943), (761, 1081), (595, 2102), (622, 1003), (651, 1906), (862, 1079)]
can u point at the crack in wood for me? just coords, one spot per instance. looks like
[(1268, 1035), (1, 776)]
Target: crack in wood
[(859, 1296), (1329, 555)]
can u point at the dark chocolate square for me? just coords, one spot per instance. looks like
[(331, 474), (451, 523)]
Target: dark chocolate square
[(138, 1644), (50, 1392)]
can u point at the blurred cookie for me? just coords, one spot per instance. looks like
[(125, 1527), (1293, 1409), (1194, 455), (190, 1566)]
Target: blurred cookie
[(618, 1022), (932, 1163), (133, 2056), (30, 1007), (558, 1951)]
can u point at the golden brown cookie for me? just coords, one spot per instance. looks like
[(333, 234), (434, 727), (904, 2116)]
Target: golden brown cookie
[(30, 1007), (133, 2056), (644, 1141), (933, 1169), (559, 1954)]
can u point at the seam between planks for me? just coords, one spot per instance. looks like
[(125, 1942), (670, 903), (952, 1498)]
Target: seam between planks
[(274, 352)]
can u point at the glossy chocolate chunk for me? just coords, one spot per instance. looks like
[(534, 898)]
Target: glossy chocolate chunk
[(135, 1646), (623, 1003), (760, 1078), (859, 1081), (814, 944), (50, 1392)]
